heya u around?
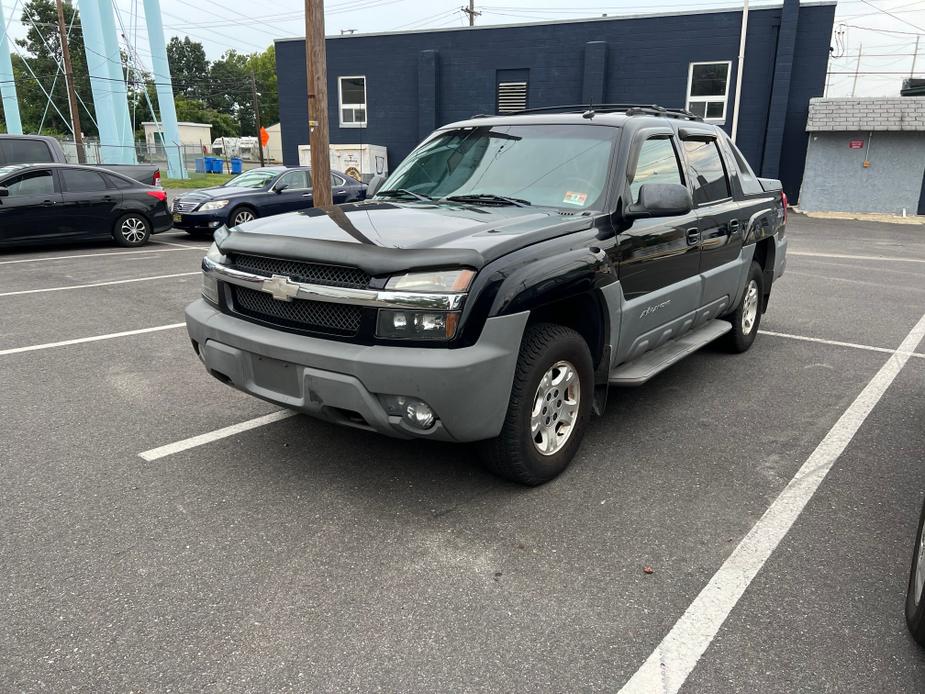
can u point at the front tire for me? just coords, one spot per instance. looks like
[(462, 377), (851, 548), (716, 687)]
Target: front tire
[(132, 230), (551, 399), (747, 316), (242, 215), (915, 595)]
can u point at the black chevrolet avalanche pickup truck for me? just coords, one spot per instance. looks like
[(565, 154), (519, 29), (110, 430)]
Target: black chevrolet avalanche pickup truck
[(506, 274)]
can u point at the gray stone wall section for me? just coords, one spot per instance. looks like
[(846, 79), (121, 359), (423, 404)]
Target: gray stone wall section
[(871, 113), (835, 179)]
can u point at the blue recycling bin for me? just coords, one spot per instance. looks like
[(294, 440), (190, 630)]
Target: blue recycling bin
[(237, 166), (200, 164), (215, 165)]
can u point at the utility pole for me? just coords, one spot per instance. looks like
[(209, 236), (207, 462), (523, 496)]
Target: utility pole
[(69, 83), (915, 57), (471, 12), (317, 71), (857, 68), (256, 113)]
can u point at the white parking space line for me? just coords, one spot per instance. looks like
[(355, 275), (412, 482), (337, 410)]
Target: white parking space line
[(99, 255), (179, 245), (95, 338), (670, 664), (98, 284), (837, 343), (889, 258), (202, 439)]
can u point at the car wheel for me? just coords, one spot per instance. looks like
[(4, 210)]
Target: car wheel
[(132, 230), (242, 215), (551, 399), (747, 316), (915, 596)]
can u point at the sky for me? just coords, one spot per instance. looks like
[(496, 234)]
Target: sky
[(882, 33)]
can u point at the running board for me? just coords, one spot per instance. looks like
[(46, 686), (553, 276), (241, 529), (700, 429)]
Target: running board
[(644, 367)]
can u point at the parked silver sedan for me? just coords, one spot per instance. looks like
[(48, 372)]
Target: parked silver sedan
[(915, 597)]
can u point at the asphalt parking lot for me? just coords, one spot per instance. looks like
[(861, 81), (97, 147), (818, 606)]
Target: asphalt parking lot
[(298, 556)]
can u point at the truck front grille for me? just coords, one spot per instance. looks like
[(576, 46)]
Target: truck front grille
[(299, 314), (301, 271)]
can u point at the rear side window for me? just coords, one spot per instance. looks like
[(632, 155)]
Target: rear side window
[(24, 152), (82, 181), (747, 179), (708, 175), (658, 163), (119, 182), (32, 183)]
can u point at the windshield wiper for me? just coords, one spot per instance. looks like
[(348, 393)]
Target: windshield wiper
[(489, 198), (405, 193)]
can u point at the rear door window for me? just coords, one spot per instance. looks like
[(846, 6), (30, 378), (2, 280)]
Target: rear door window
[(120, 183), (82, 181), (747, 179), (24, 152), (658, 163), (32, 183), (708, 175)]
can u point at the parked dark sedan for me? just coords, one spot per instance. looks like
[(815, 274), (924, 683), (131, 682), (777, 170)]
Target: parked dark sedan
[(256, 193), (42, 203)]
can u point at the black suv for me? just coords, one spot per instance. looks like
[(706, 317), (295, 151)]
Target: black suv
[(508, 272)]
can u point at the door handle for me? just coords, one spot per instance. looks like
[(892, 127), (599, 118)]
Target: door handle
[(734, 225), (340, 192), (306, 195), (693, 236), (48, 203)]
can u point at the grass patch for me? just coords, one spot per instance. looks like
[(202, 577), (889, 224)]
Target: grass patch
[(196, 180)]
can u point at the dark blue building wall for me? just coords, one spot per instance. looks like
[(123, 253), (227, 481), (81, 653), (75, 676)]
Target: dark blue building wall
[(421, 80)]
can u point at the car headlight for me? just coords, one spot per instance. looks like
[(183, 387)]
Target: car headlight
[(213, 205), (209, 283), (434, 281), (416, 325)]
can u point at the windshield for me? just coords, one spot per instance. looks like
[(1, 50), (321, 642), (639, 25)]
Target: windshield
[(256, 178), (549, 165)]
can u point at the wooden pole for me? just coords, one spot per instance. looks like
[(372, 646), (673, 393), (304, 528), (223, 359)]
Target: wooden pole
[(317, 69), (69, 83)]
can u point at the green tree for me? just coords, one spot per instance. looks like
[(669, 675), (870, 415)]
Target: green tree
[(189, 68), (263, 65), (223, 125)]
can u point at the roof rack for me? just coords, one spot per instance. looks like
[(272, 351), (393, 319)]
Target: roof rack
[(590, 110)]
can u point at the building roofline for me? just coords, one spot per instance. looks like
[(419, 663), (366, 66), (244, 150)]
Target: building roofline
[(577, 20)]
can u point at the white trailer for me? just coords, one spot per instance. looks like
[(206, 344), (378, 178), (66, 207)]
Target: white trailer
[(362, 162)]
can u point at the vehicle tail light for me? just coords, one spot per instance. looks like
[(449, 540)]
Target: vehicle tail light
[(784, 202), (157, 177), (159, 194)]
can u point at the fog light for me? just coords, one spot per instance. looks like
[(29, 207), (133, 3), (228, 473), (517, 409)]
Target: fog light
[(414, 412), (214, 225)]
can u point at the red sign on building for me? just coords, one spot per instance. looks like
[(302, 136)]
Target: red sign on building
[(856, 144)]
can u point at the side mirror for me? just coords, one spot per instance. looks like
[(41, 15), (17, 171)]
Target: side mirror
[(4, 192), (280, 188), (661, 200), (375, 183)]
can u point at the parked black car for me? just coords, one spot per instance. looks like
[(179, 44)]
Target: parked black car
[(915, 596), (41, 149), (256, 193), (41, 203)]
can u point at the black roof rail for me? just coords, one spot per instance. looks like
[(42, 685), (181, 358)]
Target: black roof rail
[(589, 110)]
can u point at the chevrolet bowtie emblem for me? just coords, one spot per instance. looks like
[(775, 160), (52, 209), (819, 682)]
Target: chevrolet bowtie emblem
[(280, 288)]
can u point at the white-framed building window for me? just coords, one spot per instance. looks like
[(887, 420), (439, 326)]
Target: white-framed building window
[(351, 92), (708, 89)]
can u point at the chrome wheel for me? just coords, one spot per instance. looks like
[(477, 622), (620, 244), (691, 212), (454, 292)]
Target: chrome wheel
[(749, 307), (242, 216), (133, 230), (555, 408), (919, 580)]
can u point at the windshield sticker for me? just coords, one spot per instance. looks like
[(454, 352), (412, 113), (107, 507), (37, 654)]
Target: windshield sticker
[(575, 198)]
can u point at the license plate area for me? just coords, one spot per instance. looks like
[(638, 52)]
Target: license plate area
[(277, 376), (177, 217)]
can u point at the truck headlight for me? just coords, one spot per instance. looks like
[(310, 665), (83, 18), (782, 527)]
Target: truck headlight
[(212, 205), (455, 281), (209, 283), (416, 325)]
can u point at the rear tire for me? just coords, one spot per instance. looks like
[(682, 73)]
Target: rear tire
[(915, 595), (551, 399), (747, 316), (131, 230)]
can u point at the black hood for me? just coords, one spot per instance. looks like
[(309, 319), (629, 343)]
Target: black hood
[(216, 193), (385, 237)]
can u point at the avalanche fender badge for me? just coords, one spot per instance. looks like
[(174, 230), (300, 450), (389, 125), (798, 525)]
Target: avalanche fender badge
[(575, 198)]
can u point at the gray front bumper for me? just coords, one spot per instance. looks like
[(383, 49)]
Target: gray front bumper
[(468, 388)]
